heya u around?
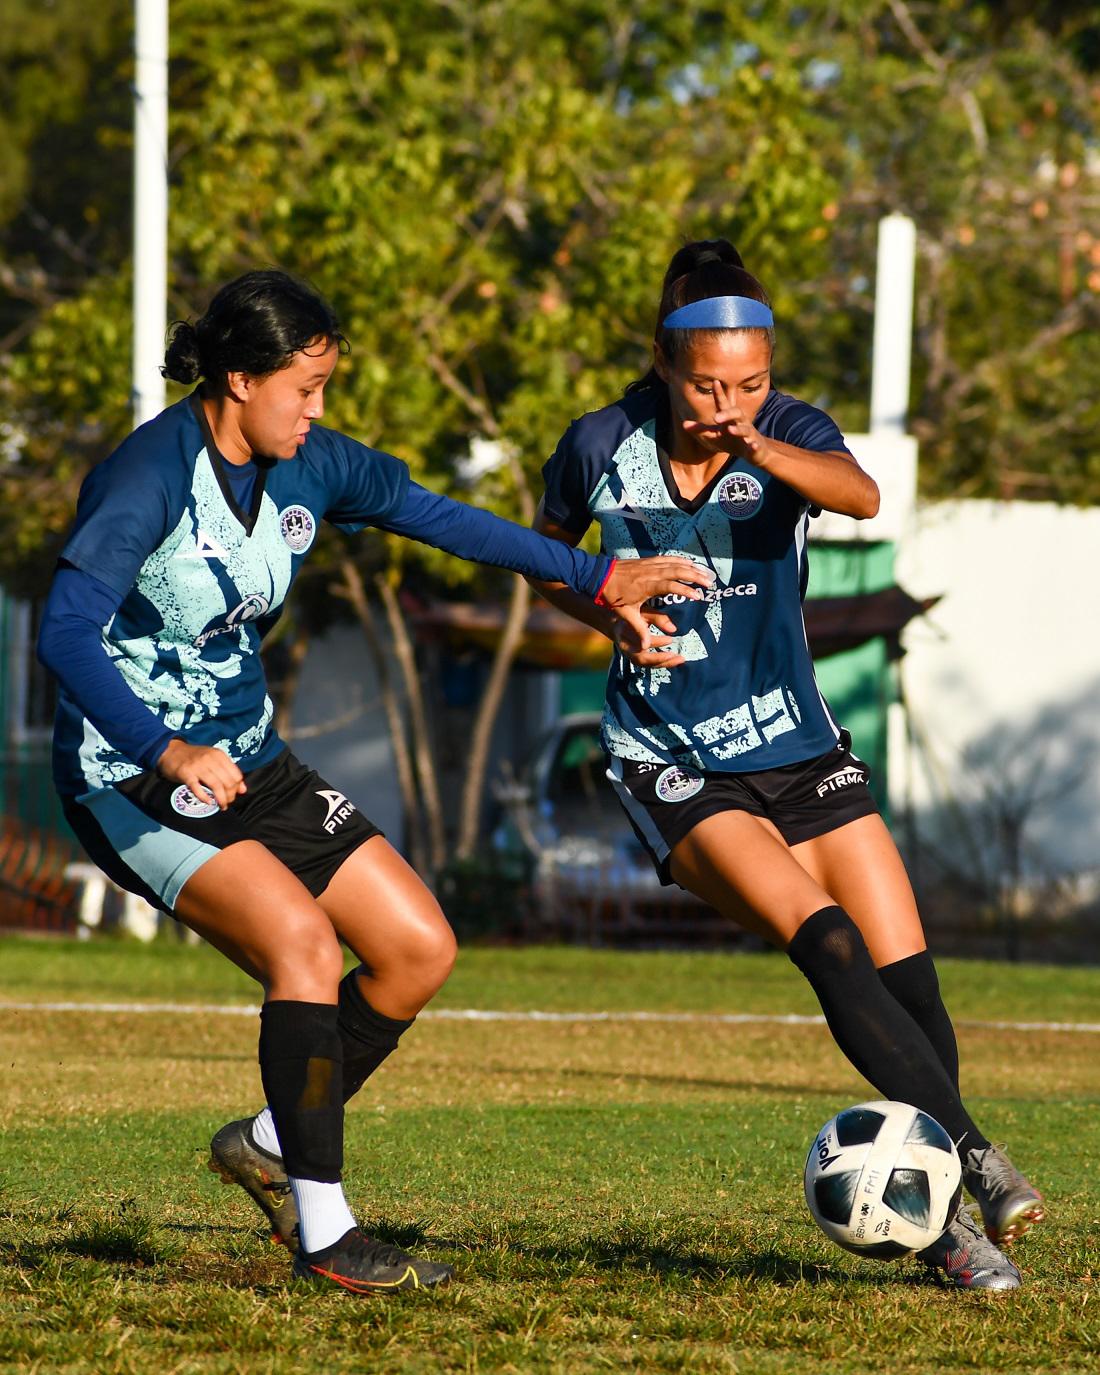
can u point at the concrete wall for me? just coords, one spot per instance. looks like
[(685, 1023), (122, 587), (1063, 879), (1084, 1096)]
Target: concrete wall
[(1001, 683)]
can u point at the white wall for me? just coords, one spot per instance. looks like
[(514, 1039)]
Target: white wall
[(1002, 677)]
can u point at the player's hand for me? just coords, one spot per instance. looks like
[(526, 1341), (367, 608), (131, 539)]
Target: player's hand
[(208, 773), (634, 581), (730, 427), (651, 650)]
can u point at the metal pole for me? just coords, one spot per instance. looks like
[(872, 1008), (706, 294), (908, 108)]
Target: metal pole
[(150, 205), (897, 242)]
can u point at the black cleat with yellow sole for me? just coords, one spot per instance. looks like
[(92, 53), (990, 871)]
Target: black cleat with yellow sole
[(368, 1266)]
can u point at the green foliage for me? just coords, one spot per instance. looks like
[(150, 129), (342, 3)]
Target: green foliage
[(489, 193)]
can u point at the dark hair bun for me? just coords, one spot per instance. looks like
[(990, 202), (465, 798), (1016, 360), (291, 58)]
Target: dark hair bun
[(695, 255), (183, 359)]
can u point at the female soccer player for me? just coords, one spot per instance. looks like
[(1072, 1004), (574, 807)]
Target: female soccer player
[(723, 752), (186, 541)]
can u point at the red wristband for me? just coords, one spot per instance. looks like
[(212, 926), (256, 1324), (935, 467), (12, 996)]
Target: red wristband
[(598, 598)]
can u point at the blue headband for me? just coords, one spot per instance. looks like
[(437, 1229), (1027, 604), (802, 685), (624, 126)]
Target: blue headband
[(721, 312)]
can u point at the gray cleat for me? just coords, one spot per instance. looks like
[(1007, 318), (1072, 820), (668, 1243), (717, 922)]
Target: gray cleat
[(235, 1157), (1009, 1204), (966, 1258)]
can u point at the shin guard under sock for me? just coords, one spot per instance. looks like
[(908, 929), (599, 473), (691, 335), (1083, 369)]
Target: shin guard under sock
[(914, 984), (367, 1036), (875, 1032), (301, 1068)]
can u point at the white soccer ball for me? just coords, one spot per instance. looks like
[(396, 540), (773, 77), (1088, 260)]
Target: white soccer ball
[(883, 1179)]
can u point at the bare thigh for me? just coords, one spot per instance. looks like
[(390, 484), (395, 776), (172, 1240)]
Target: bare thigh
[(859, 866), (741, 865), (385, 913), (251, 907)]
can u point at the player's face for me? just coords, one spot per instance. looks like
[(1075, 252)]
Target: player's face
[(740, 359), (277, 410)]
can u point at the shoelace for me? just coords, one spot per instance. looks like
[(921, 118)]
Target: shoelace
[(998, 1176)]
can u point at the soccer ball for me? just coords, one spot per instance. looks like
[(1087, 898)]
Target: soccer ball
[(883, 1179)]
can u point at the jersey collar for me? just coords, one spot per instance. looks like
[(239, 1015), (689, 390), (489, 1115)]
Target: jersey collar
[(220, 464)]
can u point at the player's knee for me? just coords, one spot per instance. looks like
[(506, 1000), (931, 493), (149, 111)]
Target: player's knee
[(436, 952), (309, 962)]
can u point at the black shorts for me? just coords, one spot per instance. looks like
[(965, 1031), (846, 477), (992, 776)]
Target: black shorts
[(664, 802), (150, 835)]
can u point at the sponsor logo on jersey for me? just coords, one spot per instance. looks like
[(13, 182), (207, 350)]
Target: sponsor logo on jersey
[(252, 607), (186, 803), (298, 528), (339, 809), (710, 594), (677, 785), (206, 547), (836, 782), (739, 495)]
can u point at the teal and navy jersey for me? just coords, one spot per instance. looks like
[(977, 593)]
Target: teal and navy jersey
[(746, 698), (187, 560)]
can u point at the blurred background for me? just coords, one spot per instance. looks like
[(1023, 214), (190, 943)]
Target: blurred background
[(489, 193)]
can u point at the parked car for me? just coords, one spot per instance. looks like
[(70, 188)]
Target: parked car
[(588, 876)]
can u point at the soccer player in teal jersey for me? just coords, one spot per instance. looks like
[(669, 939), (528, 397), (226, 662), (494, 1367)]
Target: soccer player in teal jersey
[(724, 753), (187, 539)]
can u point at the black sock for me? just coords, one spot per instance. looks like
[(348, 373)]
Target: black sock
[(300, 1065), (367, 1036), (876, 1033), (913, 983)]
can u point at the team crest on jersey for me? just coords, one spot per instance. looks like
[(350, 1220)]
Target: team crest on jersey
[(739, 495), (187, 804), (677, 785), (298, 528)]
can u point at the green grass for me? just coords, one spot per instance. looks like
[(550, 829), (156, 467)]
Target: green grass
[(614, 1196)]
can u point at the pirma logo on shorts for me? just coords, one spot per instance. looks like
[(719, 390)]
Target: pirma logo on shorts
[(339, 809)]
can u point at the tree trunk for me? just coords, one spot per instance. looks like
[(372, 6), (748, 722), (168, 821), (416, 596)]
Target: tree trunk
[(355, 592), (470, 814), (426, 774), (287, 692)]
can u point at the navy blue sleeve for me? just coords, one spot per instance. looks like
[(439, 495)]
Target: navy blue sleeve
[(70, 644), (365, 486), (484, 538), (122, 515), (570, 475), (806, 427)]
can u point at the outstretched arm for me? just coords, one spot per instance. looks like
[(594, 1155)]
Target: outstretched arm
[(622, 586), (642, 640)]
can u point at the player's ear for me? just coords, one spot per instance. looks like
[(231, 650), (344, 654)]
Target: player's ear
[(660, 362), (239, 385)]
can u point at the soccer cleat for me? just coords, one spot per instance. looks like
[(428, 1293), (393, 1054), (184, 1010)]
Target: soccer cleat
[(367, 1266), (1008, 1202), (238, 1161), (966, 1258)]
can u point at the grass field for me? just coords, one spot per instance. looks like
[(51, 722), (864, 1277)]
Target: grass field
[(615, 1195)]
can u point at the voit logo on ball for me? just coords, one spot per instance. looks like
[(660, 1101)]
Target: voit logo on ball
[(739, 495), (677, 785), (186, 803)]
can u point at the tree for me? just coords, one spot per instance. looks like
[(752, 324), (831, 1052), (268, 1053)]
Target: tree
[(490, 193)]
